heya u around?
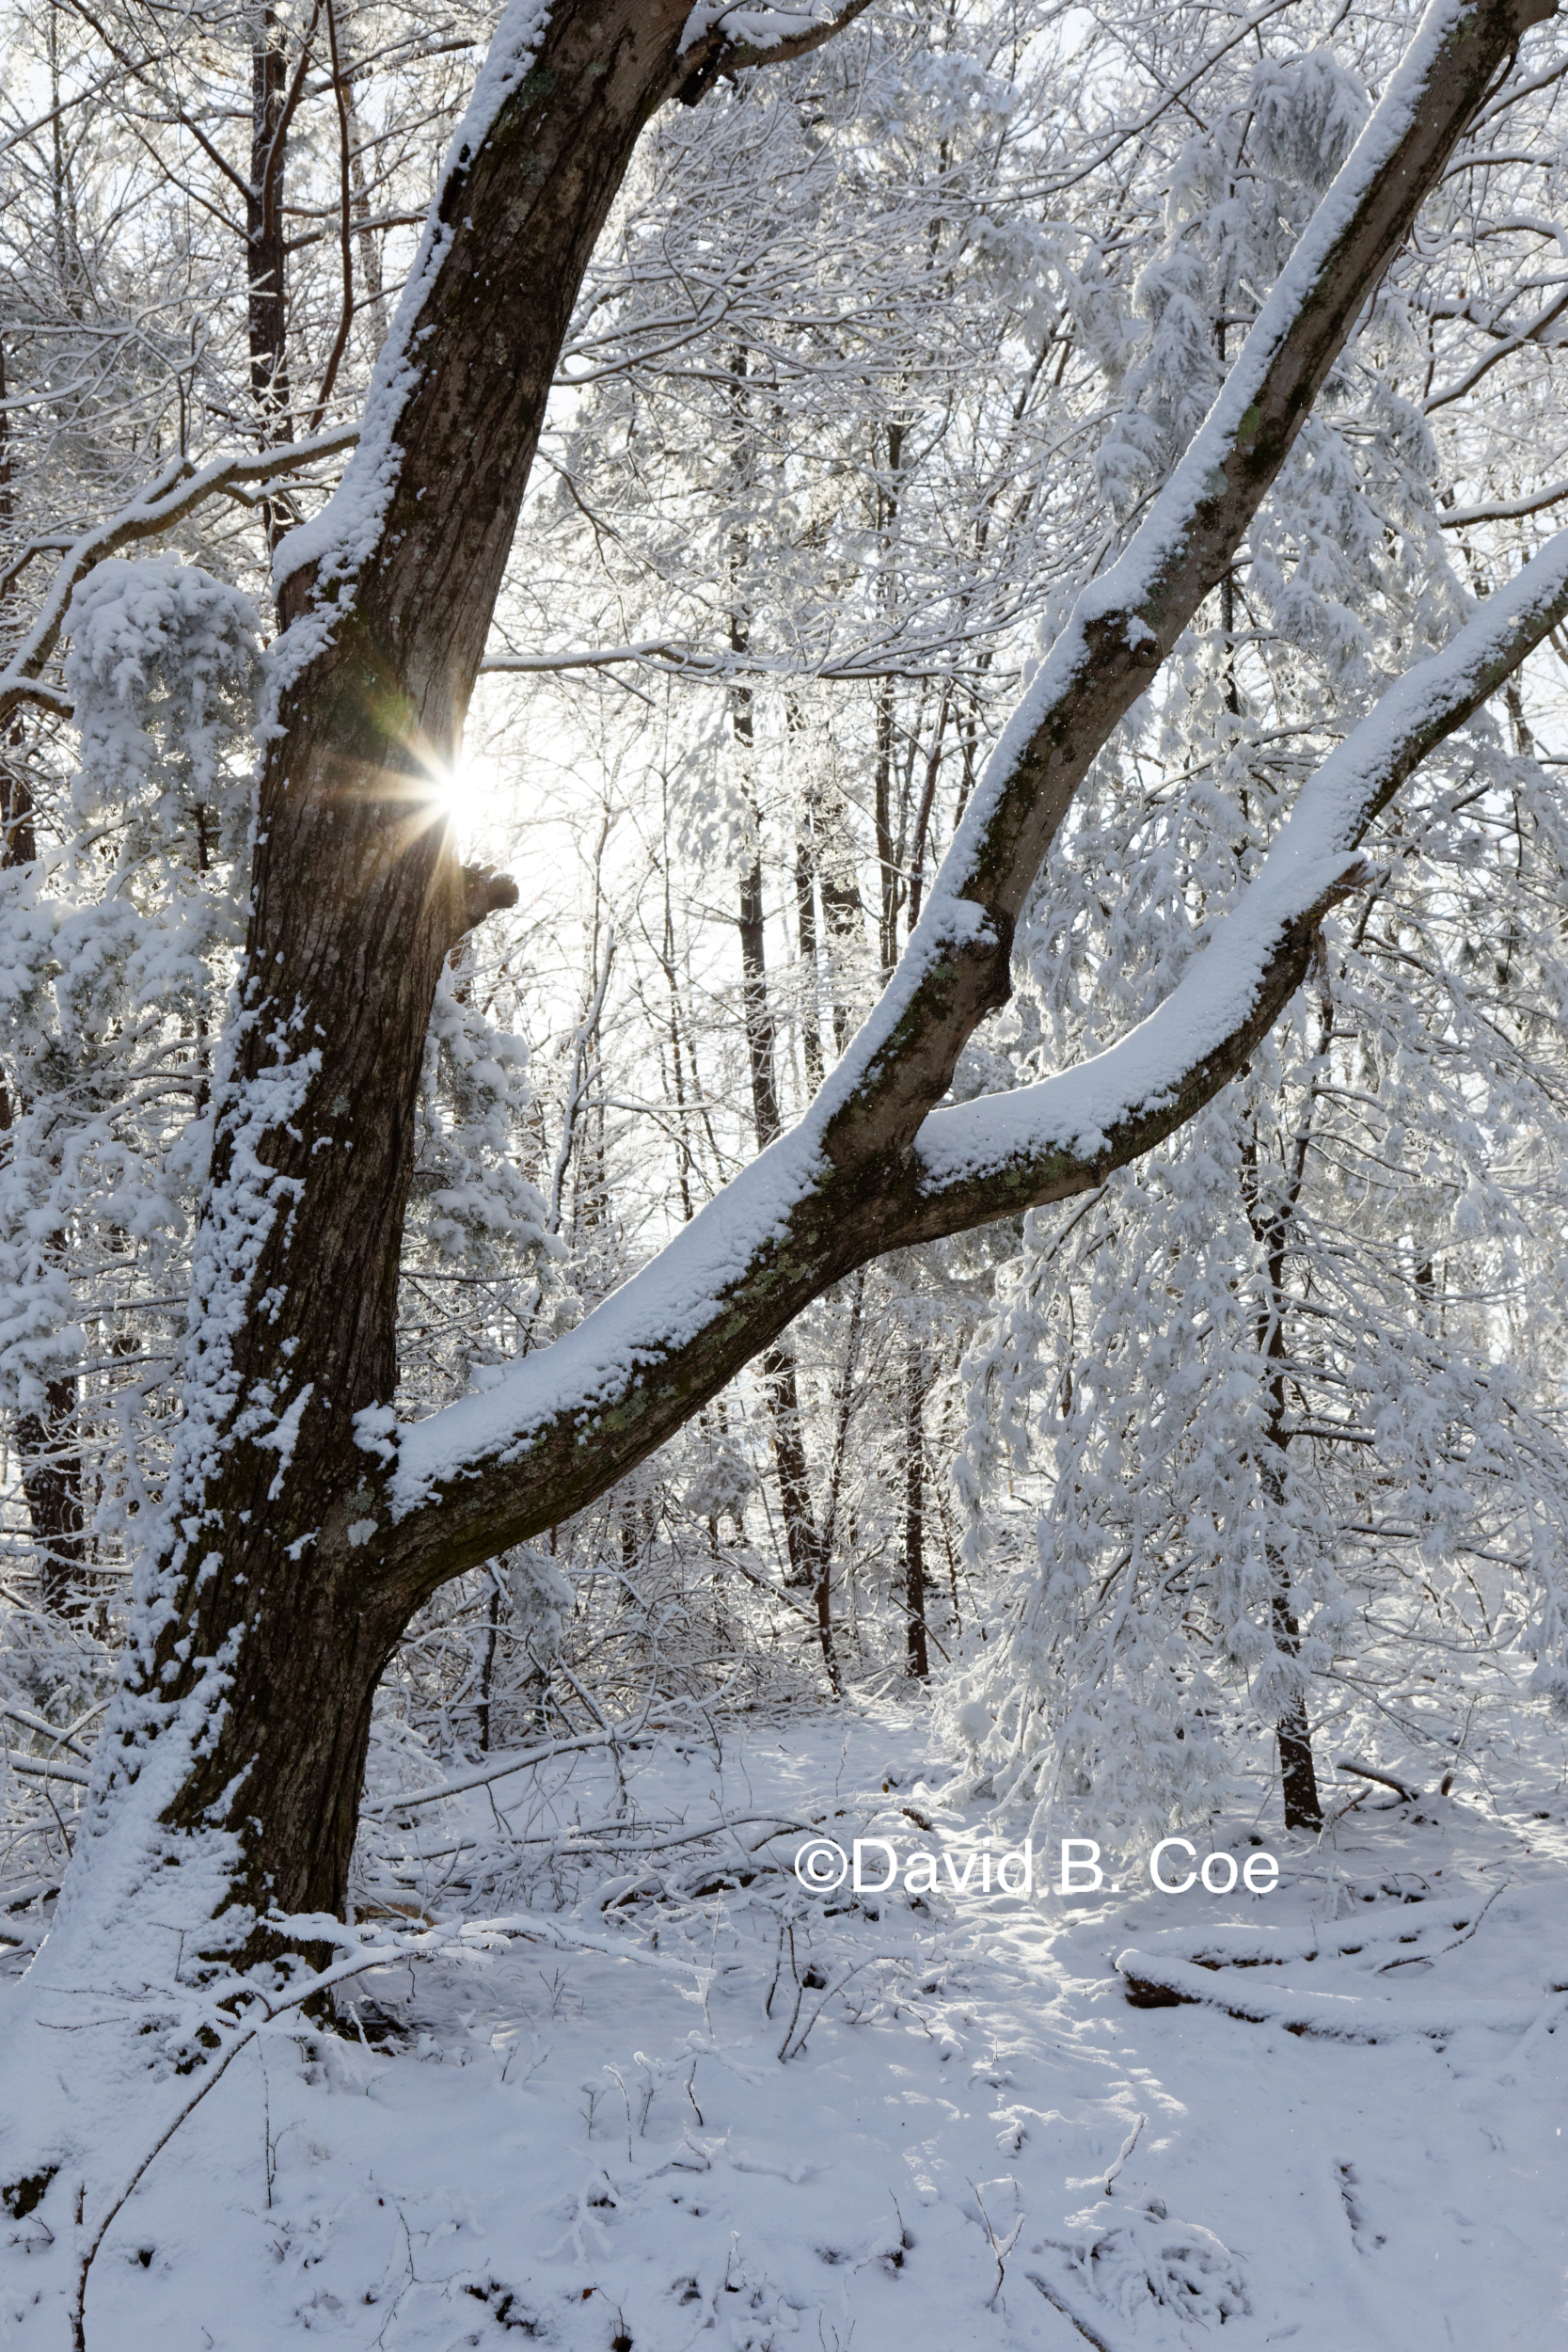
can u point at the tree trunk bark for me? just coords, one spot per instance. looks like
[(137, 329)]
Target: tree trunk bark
[(805, 915), (358, 901), (51, 1482), (266, 250), (45, 1442), (1298, 1773), (1297, 1769), (780, 1384), (914, 1509)]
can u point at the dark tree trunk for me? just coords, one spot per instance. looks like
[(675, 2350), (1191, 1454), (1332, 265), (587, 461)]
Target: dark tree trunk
[(779, 1380), (843, 913), (805, 912), (1297, 1771), (45, 1442), (266, 247), (780, 1383), (914, 1509), (488, 1665), (343, 967), (51, 1482), (889, 879)]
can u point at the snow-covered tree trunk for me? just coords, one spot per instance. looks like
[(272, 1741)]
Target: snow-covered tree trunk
[(300, 1529)]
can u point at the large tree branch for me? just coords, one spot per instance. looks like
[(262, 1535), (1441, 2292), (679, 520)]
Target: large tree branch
[(565, 1424), (1064, 1134), (957, 968), (838, 1190)]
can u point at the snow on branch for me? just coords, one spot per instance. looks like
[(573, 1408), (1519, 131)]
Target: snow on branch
[(1125, 622), (849, 1181), (1505, 510), (1076, 1117), (1009, 1152), (721, 38), (667, 655), (158, 506), (1159, 1984), (36, 1768)]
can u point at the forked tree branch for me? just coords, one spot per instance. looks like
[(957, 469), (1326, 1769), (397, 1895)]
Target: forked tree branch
[(566, 1424), (1064, 1135), (720, 53), (852, 1180)]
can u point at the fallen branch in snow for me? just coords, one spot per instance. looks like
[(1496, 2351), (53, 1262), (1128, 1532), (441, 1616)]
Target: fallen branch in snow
[(266, 2009), (1000, 2247), (785, 2051), (1424, 1960), (1155, 1983), (1124, 2151), (525, 1759), (1053, 2296), (1370, 1771)]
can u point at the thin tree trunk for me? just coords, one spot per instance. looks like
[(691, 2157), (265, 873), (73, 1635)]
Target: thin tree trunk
[(370, 251), (805, 914), (780, 1382), (843, 914), (487, 1663), (1297, 1767), (1298, 1773), (914, 1508), (266, 261), (888, 878), (50, 1459), (51, 1482)]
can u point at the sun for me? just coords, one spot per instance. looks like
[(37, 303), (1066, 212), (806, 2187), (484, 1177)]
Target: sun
[(473, 801)]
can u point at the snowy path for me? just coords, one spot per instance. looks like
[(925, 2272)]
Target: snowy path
[(595, 2150)]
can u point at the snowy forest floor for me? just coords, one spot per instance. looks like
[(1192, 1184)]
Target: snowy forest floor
[(669, 2124)]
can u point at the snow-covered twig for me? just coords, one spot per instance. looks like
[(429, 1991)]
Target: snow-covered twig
[(35, 1768)]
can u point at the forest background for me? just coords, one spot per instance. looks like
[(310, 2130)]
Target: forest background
[(1251, 1455)]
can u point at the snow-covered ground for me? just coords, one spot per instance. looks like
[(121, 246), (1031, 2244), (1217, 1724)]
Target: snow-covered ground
[(760, 2119)]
